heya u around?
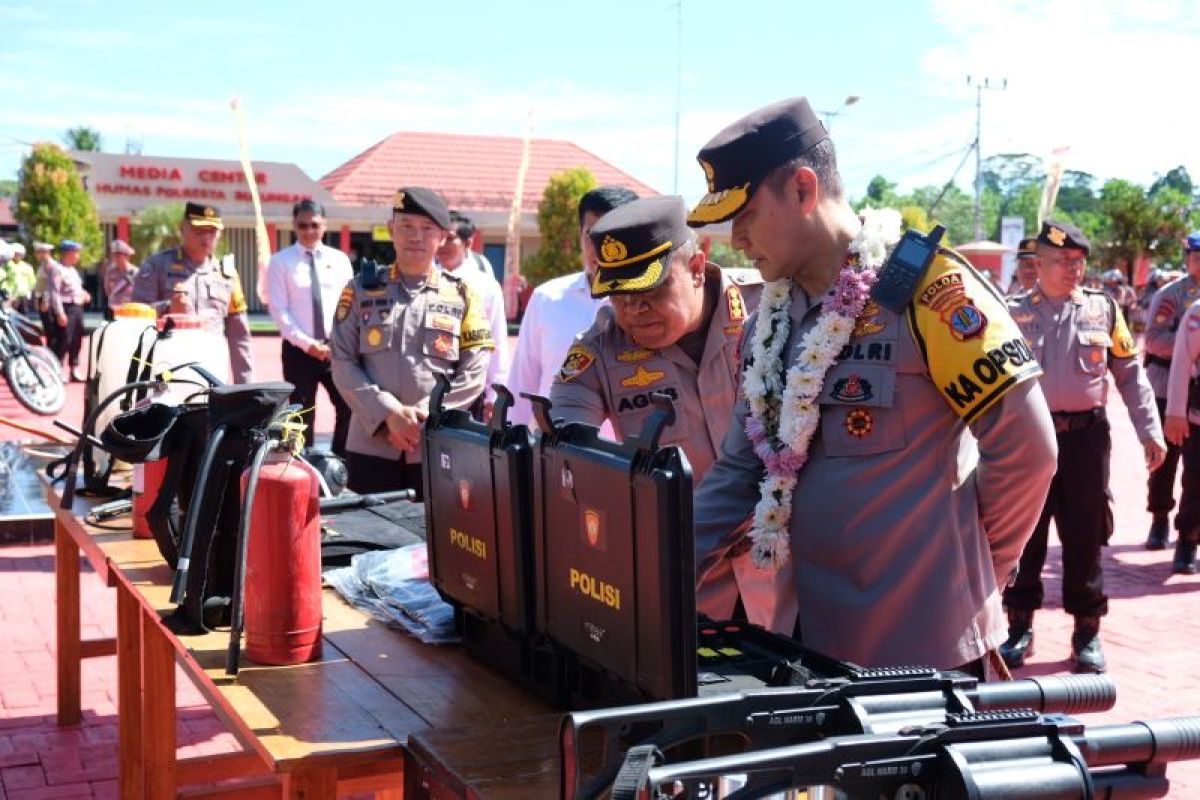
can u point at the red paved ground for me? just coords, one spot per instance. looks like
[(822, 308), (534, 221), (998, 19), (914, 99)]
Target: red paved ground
[(1150, 635)]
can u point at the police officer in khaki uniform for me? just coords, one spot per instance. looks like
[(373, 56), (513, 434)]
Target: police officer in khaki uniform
[(1166, 310), (394, 330), (672, 326), (1025, 277), (190, 280), (1079, 337), (933, 447)]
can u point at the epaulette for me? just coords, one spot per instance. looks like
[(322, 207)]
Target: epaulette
[(228, 266), (906, 265), (371, 276), (744, 277)]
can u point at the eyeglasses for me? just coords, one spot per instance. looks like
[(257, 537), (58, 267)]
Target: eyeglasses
[(306, 226)]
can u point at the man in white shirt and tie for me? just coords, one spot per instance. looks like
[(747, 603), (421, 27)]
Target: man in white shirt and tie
[(559, 310), (305, 315)]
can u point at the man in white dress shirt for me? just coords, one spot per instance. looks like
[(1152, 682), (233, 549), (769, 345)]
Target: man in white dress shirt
[(559, 310), (305, 316), (455, 257)]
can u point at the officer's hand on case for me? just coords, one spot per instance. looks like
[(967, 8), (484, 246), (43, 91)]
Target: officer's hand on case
[(1176, 430), (404, 427), (1156, 453)]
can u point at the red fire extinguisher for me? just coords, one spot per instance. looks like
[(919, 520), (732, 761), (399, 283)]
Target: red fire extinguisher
[(147, 480), (281, 604)]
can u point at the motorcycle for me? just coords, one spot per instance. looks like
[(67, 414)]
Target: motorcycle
[(32, 371)]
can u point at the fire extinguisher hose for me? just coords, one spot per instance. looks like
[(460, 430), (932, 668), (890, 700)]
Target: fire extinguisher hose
[(237, 606)]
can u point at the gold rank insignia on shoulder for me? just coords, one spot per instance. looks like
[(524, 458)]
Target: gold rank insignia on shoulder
[(736, 305), (643, 378), (578, 359), (636, 354)]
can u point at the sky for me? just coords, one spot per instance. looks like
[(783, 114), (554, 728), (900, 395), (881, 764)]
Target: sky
[(1116, 82)]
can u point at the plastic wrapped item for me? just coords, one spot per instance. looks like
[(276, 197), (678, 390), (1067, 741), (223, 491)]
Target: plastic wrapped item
[(393, 586)]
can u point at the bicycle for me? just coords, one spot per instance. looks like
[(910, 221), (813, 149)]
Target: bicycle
[(32, 371)]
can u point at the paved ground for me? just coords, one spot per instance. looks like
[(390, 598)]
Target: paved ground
[(1151, 637)]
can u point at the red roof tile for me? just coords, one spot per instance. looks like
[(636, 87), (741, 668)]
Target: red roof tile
[(472, 172)]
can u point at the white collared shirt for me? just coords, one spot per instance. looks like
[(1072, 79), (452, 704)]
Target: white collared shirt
[(289, 290), (558, 311), (487, 291)]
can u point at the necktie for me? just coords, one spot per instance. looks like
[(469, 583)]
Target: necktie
[(317, 310)]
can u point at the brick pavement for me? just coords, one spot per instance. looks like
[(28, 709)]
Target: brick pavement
[(1150, 635)]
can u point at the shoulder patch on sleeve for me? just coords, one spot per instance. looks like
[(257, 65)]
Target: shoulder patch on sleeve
[(345, 301), (237, 299), (1123, 344), (974, 349), (476, 330), (579, 359)]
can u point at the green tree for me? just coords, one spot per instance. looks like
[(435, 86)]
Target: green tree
[(1077, 193), (81, 137), (1177, 179), (51, 203), (558, 222), (1141, 223), (155, 228), (728, 256), (8, 187)]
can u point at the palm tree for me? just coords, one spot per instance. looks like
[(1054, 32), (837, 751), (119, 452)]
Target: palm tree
[(82, 138)]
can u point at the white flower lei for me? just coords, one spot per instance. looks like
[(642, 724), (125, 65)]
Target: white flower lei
[(784, 416)]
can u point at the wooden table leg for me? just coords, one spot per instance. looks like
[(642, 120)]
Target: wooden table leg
[(158, 710), (310, 784), (129, 682), (66, 580)]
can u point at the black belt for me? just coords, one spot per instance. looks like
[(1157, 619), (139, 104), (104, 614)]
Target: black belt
[(1159, 361), (1067, 421)]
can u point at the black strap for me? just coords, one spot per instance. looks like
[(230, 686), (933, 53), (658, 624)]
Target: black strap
[(1159, 361), (634, 771)]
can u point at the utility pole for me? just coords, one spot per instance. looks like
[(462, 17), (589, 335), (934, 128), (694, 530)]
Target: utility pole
[(678, 87), (979, 86)]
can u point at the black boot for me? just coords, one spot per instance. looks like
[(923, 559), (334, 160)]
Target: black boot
[(1160, 533), (1085, 645), (1185, 557), (1019, 643)]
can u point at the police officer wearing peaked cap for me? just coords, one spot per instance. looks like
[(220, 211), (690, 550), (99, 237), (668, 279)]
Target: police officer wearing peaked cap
[(672, 325), (902, 523), (189, 279), (394, 330), (1166, 310), (1080, 337), (1025, 276)]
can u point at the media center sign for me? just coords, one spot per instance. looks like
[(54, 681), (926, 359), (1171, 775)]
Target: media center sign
[(122, 184)]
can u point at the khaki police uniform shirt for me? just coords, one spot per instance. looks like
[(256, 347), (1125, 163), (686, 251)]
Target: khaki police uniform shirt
[(1185, 360), (924, 480), (215, 292), (1079, 341), (1166, 309), (607, 376), (389, 342)]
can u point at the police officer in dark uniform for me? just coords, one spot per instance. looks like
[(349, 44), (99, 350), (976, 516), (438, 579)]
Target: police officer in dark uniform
[(1080, 338), (189, 279)]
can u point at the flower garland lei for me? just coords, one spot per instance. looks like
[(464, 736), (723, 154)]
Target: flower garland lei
[(784, 416)]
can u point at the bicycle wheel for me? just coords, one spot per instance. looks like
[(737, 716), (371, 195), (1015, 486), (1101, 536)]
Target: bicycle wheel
[(35, 378)]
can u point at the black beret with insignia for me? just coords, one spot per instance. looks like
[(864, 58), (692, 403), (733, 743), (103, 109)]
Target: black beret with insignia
[(203, 215), (634, 243), (737, 159), (1027, 248), (422, 201), (1063, 235)]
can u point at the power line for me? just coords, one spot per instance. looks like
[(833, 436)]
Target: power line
[(979, 87), (933, 206)]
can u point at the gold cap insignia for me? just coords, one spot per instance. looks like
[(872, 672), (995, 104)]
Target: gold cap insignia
[(709, 174), (612, 250), (1057, 236), (398, 200), (209, 212)]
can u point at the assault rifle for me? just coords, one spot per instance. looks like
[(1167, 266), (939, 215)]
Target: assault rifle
[(863, 700), (978, 756)]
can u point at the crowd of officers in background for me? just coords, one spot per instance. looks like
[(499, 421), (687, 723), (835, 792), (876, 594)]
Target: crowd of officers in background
[(647, 312)]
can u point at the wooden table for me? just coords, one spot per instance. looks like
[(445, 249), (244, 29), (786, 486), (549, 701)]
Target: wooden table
[(310, 731)]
